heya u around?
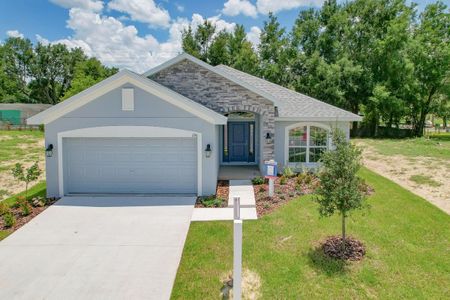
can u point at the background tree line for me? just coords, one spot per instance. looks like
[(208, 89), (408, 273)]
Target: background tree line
[(379, 58), (45, 73)]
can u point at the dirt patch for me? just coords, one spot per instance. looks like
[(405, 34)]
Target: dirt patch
[(251, 285), (403, 170)]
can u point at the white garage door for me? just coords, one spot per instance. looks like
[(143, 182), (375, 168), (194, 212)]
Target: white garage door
[(130, 165)]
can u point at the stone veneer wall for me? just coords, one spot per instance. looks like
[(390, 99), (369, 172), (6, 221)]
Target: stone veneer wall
[(220, 95)]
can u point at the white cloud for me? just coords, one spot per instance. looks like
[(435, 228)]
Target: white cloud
[(94, 5), (253, 36), (116, 44), (266, 6), (145, 11), (14, 34), (179, 7), (236, 7), (42, 40)]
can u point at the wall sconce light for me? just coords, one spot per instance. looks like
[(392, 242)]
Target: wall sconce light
[(268, 136), (49, 150), (208, 150)]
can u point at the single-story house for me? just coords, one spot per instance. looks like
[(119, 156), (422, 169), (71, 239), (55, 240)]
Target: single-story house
[(170, 130)]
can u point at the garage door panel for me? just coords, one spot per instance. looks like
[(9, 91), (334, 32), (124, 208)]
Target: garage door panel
[(130, 165)]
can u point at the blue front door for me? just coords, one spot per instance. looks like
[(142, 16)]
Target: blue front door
[(240, 141)]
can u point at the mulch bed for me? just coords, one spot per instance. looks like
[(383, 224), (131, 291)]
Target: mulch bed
[(22, 220), (222, 191), (283, 193), (354, 249)]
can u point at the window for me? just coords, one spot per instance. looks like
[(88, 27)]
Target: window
[(306, 143)]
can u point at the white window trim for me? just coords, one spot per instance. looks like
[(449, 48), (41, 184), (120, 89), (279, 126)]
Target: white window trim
[(286, 141), (128, 131)]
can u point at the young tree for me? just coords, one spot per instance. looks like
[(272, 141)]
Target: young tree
[(339, 189), (27, 176)]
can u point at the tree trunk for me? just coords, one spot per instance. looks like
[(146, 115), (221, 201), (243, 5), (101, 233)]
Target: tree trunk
[(343, 232), (444, 120), (26, 190)]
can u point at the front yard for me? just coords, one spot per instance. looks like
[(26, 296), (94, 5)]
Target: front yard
[(406, 240)]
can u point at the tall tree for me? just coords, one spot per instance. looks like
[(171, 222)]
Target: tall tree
[(53, 70), (16, 56), (430, 52), (273, 52), (87, 73)]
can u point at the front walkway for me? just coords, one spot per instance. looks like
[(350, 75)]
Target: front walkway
[(238, 188), (97, 248)]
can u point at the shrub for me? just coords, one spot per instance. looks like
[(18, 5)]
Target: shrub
[(283, 180), (258, 180), (4, 208), (9, 220), (24, 205), (304, 178), (287, 172), (211, 201)]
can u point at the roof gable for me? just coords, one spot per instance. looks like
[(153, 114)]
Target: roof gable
[(116, 81), (215, 70)]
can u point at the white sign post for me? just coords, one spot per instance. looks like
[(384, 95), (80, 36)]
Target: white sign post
[(271, 187), (237, 249)]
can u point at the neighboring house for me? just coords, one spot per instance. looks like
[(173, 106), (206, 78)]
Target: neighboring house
[(171, 129), (17, 113)]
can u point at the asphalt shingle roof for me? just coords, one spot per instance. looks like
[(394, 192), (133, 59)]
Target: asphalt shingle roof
[(291, 104)]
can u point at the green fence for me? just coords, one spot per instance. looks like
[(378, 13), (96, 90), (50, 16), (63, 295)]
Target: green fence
[(12, 117)]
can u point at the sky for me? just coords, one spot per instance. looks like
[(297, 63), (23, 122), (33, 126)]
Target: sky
[(138, 34)]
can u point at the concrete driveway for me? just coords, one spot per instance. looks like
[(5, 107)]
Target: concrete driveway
[(97, 248)]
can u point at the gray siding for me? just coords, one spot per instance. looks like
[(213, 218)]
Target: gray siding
[(149, 111)]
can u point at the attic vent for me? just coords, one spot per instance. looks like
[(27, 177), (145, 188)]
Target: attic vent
[(128, 99)]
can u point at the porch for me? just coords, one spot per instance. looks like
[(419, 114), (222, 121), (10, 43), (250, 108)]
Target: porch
[(230, 172)]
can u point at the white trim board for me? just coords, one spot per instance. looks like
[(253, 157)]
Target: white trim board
[(129, 131), (201, 63), (117, 81)]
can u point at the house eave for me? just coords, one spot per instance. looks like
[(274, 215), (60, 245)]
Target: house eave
[(319, 119)]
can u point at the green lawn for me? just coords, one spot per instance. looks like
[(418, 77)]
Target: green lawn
[(437, 146), (17, 145), (407, 240), (37, 190)]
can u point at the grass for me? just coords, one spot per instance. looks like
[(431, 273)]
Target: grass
[(36, 190), (436, 146), (17, 145), (422, 179), (406, 238)]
